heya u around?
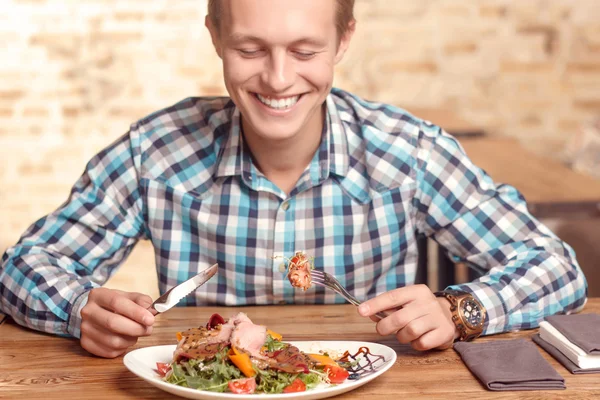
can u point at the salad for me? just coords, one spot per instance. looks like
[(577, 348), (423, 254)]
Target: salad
[(238, 356)]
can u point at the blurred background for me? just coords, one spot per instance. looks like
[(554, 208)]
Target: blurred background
[(75, 74)]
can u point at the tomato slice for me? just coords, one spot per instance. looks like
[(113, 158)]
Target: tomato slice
[(242, 386), (336, 374), (163, 368), (296, 386)]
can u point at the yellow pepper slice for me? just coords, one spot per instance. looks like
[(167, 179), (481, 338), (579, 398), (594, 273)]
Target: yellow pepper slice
[(179, 336)]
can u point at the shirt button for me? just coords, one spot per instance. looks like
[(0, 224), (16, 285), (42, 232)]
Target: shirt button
[(285, 205), (282, 267)]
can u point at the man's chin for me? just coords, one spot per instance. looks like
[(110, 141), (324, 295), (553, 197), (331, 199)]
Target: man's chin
[(274, 131)]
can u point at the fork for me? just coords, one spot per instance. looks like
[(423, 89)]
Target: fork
[(329, 281)]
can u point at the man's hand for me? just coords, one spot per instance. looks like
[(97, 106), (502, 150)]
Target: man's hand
[(420, 318), (112, 321)]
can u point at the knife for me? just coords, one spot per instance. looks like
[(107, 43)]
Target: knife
[(172, 296)]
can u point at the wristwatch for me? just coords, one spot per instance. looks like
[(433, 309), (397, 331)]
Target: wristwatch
[(467, 313)]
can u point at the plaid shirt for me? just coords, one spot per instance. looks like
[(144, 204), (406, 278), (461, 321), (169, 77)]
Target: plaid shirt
[(183, 178)]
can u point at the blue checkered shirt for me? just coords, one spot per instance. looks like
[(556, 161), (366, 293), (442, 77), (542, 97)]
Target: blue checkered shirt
[(183, 179)]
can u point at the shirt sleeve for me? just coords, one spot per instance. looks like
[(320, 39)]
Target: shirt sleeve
[(528, 272), (45, 278)]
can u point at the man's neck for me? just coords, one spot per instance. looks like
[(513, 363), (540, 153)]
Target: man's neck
[(283, 162)]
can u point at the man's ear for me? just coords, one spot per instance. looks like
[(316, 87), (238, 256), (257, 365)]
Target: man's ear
[(214, 35), (345, 41)]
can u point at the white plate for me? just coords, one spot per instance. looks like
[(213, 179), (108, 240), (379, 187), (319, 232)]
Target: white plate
[(142, 362)]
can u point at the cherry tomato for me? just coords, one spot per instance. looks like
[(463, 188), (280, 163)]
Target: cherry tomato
[(336, 373), (296, 386), (163, 368), (242, 386)]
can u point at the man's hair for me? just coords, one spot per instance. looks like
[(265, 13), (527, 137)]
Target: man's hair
[(344, 14)]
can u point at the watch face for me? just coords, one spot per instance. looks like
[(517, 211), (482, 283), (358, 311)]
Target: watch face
[(472, 313)]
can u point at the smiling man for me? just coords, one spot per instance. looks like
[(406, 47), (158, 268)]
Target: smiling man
[(287, 163), (278, 60)]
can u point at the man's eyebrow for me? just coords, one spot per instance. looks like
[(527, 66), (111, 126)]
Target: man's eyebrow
[(311, 41), (240, 37)]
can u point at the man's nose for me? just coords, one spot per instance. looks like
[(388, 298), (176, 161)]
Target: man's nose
[(279, 73)]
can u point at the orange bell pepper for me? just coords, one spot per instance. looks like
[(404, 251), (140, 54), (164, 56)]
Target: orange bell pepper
[(274, 335), (323, 359), (242, 361), (179, 336)]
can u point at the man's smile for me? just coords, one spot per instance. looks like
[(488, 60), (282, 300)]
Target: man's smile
[(278, 103)]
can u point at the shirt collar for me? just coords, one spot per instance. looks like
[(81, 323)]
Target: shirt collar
[(335, 139), (229, 161), (332, 157)]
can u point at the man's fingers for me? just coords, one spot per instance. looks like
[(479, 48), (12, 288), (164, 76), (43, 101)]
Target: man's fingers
[(144, 301), (420, 318), (399, 319), (437, 338), (141, 299), (106, 339), (415, 329), (93, 347), (122, 304), (112, 322), (394, 299)]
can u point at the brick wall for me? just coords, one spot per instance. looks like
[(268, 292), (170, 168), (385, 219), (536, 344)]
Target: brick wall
[(75, 74)]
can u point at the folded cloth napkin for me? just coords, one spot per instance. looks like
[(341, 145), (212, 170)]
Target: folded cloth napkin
[(509, 365), (574, 353), (564, 360), (583, 330)]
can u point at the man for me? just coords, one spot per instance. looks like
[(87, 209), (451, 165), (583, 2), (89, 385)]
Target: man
[(287, 163)]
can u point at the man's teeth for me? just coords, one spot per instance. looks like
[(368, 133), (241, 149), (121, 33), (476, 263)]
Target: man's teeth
[(278, 104)]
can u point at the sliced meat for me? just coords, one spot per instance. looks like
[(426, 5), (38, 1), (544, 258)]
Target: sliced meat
[(224, 334), (205, 343), (204, 351), (239, 318), (249, 337), (289, 359)]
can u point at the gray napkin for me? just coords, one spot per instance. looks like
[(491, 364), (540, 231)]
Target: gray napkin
[(564, 360), (509, 365), (583, 330)]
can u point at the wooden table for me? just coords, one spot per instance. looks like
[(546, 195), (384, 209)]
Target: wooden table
[(35, 365)]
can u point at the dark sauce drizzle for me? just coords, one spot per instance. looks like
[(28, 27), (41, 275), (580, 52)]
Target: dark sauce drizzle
[(366, 365)]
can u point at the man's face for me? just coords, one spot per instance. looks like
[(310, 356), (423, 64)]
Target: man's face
[(278, 60)]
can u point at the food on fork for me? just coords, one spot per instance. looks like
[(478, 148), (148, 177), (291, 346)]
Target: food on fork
[(299, 267), (238, 356)]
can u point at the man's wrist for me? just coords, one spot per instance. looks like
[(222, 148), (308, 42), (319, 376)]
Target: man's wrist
[(74, 321), (446, 306), (468, 314)]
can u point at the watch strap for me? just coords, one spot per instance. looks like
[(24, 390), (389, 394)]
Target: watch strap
[(453, 296)]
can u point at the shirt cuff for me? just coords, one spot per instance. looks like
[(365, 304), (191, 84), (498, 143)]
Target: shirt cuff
[(74, 324), (496, 315)]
